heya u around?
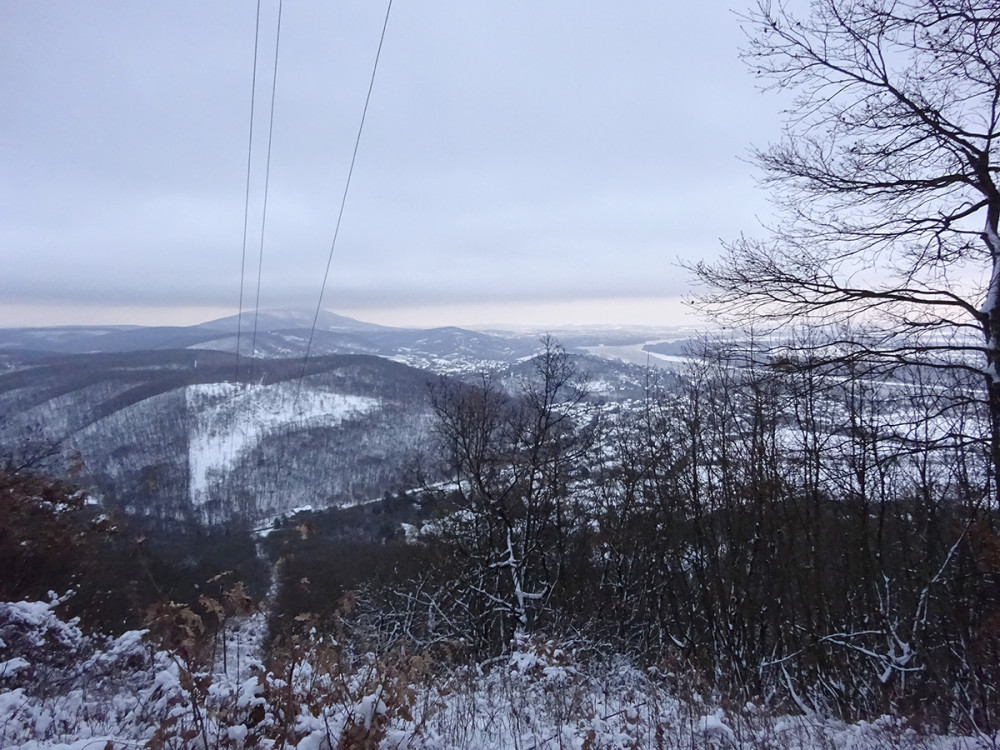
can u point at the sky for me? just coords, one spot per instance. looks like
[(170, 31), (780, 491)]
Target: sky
[(528, 162)]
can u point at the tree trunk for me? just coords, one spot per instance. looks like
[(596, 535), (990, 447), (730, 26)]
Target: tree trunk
[(990, 311)]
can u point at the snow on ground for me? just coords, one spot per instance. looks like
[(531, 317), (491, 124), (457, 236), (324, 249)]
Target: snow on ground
[(231, 419), (61, 688)]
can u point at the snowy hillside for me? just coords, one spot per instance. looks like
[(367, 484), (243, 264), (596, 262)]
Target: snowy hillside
[(231, 420), (168, 434)]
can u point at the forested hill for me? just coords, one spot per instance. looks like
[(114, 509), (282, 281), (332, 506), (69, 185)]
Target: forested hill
[(169, 433)]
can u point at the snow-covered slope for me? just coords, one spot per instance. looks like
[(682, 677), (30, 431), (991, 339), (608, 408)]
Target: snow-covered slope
[(230, 420), (169, 434)]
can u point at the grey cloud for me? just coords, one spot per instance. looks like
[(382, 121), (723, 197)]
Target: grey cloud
[(516, 150)]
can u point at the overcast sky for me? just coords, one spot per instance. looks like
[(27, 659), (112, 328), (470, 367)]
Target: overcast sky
[(523, 161)]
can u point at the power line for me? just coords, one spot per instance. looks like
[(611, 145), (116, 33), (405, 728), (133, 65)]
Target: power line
[(333, 244), (267, 181), (237, 409), (243, 257), (246, 199), (343, 201), (263, 225)]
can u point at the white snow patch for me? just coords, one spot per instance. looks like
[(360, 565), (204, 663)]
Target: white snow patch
[(232, 419)]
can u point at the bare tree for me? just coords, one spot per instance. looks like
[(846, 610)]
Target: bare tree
[(515, 459), (886, 179)]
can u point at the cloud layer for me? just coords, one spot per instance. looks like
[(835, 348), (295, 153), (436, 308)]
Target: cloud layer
[(514, 152)]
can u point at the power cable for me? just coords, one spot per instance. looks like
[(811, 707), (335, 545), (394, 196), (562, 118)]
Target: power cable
[(246, 199), (267, 181), (246, 225), (243, 257), (343, 202), (333, 244)]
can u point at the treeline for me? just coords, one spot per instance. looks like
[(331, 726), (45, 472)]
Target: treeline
[(817, 537)]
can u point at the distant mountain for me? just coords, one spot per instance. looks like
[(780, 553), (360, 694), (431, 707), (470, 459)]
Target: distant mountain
[(92, 339), (283, 320), (271, 334), (281, 334), (88, 339)]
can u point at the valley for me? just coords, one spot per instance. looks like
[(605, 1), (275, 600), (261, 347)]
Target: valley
[(173, 423)]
